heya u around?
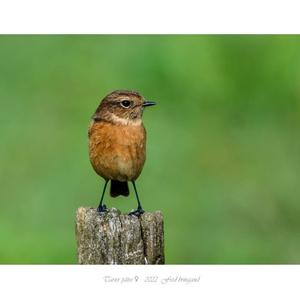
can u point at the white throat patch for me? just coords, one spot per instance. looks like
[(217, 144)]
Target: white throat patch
[(123, 121)]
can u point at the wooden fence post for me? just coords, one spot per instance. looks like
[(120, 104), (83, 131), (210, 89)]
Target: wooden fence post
[(115, 238)]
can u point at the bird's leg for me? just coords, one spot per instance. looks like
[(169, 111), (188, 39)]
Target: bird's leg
[(139, 211), (101, 207)]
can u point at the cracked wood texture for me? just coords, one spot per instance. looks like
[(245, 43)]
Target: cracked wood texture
[(115, 238)]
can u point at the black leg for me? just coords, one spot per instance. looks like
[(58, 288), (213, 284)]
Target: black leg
[(101, 207), (139, 211)]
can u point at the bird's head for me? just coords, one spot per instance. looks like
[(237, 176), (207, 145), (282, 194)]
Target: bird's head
[(123, 107)]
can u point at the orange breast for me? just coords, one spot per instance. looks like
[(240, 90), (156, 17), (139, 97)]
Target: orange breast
[(117, 152)]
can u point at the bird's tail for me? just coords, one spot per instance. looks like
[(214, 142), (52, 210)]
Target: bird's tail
[(118, 188)]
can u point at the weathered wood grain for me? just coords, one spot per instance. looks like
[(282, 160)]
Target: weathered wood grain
[(115, 238)]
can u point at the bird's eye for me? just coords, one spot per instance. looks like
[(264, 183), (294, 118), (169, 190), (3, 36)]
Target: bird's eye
[(125, 103)]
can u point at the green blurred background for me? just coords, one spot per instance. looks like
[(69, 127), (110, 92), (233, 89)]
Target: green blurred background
[(223, 160)]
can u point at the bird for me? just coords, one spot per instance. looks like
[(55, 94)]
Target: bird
[(117, 143)]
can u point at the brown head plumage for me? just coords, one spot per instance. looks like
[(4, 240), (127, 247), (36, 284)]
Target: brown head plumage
[(122, 106)]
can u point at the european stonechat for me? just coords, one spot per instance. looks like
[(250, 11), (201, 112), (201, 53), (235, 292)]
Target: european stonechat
[(117, 142)]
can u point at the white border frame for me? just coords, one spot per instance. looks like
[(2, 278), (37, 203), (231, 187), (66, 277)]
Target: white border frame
[(149, 17)]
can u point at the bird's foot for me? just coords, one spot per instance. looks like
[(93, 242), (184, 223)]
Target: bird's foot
[(138, 212), (102, 209)]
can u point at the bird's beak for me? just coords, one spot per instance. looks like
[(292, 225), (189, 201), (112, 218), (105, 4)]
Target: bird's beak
[(149, 103)]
